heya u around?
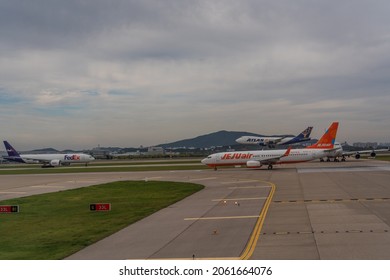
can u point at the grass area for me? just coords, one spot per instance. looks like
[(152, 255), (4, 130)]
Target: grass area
[(104, 166), (110, 163), (386, 158), (149, 162), (84, 169), (55, 225)]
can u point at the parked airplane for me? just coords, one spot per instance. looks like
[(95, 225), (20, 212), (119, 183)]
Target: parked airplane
[(273, 141), (338, 152), (255, 159), (48, 160)]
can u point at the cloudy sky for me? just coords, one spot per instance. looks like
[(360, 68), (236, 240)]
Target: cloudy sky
[(76, 74)]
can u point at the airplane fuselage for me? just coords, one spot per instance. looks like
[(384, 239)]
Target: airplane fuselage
[(275, 140), (266, 141), (48, 160), (53, 159), (242, 158)]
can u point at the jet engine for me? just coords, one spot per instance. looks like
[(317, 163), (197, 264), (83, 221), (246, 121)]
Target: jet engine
[(357, 156), (253, 164), (55, 162), (269, 142)]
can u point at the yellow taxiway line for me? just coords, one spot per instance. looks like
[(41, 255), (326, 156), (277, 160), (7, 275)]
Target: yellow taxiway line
[(221, 218), (250, 247)]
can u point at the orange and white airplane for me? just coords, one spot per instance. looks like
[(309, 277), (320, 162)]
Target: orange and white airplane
[(256, 159)]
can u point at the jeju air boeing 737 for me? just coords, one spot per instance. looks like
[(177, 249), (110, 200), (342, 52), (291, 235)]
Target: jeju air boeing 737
[(273, 141), (48, 160), (255, 159)]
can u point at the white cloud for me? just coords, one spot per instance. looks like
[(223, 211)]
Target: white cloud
[(150, 72)]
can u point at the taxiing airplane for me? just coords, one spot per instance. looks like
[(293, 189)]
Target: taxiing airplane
[(338, 152), (273, 141), (48, 160), (255, 159)]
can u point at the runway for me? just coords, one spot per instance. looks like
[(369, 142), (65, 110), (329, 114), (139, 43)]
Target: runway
[(317, 211)]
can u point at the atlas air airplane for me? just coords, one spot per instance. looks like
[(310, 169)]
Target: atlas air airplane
[(48, 160), (256, 159), (273, 141)]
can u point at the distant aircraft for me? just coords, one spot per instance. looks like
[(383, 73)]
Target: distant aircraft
[(338, 152), (48, 160), (255, 159), (273, 141)]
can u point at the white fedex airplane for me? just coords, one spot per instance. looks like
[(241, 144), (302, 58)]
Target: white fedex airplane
[(48, 160), (273, 141), (338, 152), (255, 159)]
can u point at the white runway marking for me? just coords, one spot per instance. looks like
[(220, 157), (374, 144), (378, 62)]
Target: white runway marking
[(234, 199), (252, 187), (344, 169), (240, 182), (152, 178), (46, 186), (12, 192), (221, 218), (82, 181), (203, 179)]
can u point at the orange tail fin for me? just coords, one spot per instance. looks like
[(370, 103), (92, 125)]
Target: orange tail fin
[(327, 140)]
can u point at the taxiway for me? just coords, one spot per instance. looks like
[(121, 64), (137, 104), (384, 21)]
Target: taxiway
[(315, 211)]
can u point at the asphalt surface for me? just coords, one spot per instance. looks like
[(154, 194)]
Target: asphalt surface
[(317, 211)]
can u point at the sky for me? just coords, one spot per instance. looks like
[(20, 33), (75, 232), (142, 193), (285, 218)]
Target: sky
[(78, 74)]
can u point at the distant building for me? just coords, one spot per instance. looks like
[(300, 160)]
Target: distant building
[(100, 153), (365, 145), (155, 151)]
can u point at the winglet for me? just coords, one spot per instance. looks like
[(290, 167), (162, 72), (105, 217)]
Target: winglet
[(287, 152)]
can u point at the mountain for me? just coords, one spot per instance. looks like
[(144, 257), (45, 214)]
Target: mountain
[(220, 138), (45, 151)]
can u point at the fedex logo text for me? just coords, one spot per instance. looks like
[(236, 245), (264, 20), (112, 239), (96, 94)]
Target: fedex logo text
[(71, 157), (237, 156)]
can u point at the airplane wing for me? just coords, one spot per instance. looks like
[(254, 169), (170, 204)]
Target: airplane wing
[(269, 161), (357, 154), (35, 160), (328, 151), (271, 141), (275, 159)]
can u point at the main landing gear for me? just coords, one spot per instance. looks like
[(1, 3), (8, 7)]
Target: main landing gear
[(270, 166), (335, 159)]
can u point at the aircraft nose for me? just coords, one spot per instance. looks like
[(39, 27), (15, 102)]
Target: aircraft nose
[(204, 161)]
